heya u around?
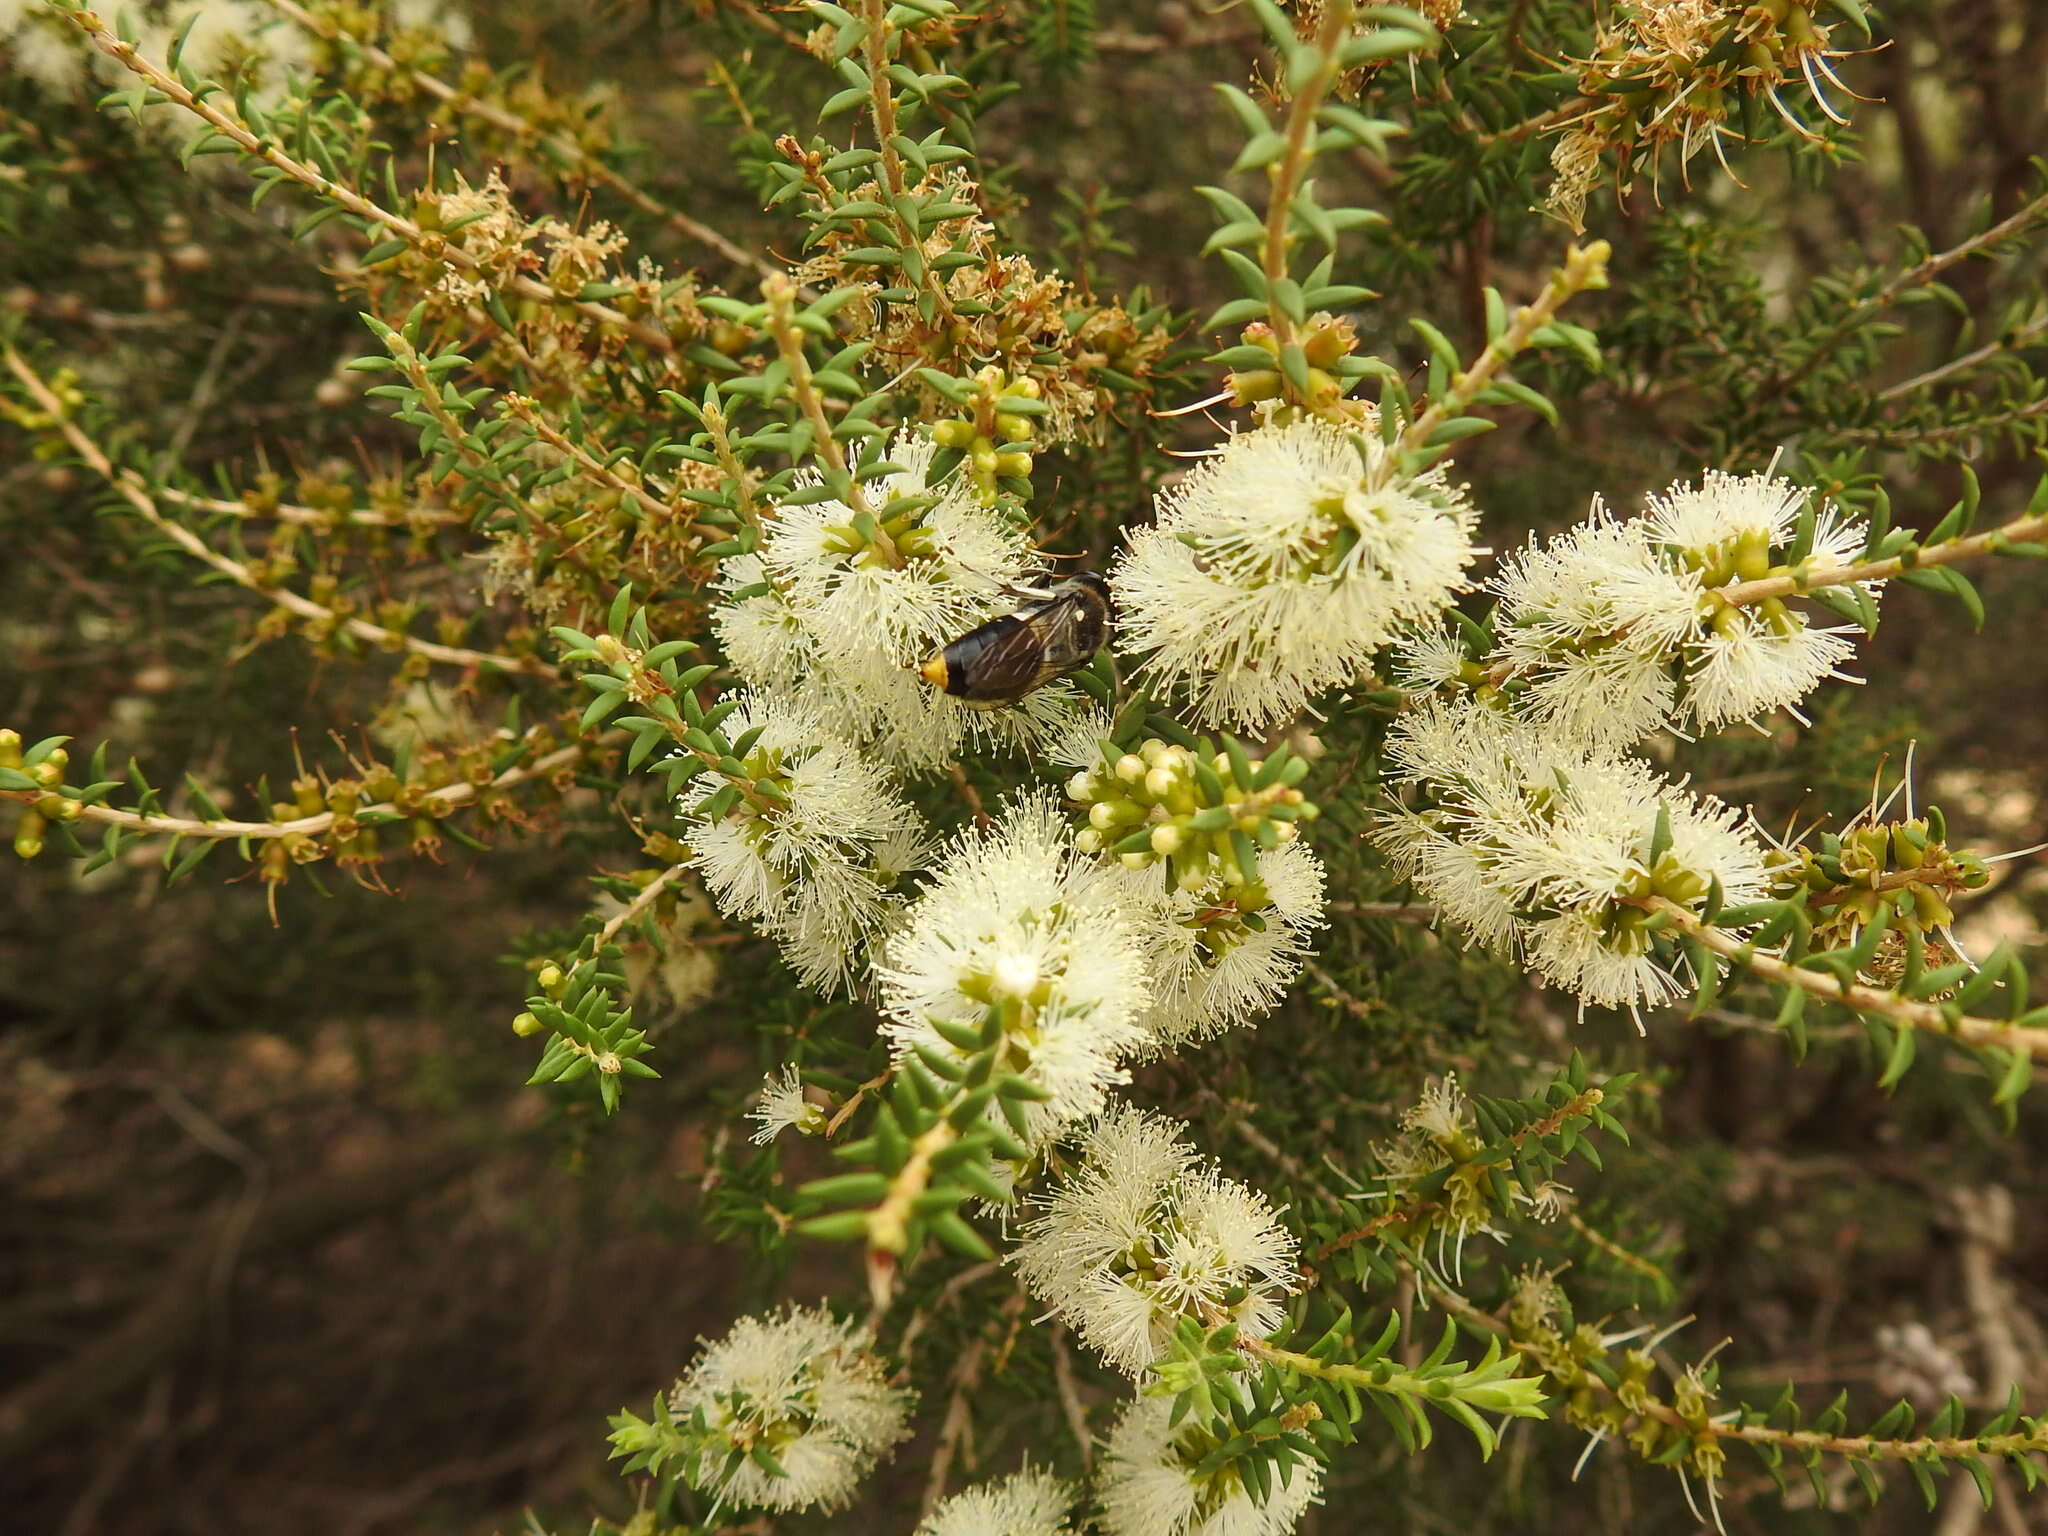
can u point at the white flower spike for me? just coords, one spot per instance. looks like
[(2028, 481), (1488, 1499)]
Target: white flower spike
[(1149, 1484), (804, 1388), (1144, 1232), (1279, 565), (1032, 1502), (1017, 924)]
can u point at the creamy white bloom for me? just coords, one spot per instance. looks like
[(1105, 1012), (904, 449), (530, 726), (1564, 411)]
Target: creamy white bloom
[(1590, 623), (949, 569), (1531, 841), (1032, 1502), (228, 40), (1148, 1485), (36, 40), (816, 869), (1279, 565), (1212, 969), (1016, 924), (782, 1105), (805, 1387), (1144, 1232), (848, 614), (1613, 629)]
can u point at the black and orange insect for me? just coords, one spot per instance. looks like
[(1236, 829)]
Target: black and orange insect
[(997, 663)]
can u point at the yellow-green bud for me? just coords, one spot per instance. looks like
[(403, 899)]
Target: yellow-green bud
[(1167, 838), (1130, 768), (526, 1024)]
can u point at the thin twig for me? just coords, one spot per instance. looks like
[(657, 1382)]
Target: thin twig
[(2021, 530), (309, 176), (314, 826), (638, 904), (559, 145), (1929, 1017), (129, 486)]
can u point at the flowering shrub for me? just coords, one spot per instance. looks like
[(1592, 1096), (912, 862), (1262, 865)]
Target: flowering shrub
[(748, 577)]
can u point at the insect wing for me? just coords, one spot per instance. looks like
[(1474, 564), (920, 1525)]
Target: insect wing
[(998, 663)]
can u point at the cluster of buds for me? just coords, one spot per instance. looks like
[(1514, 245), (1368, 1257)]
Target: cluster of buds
[(1206, 813), (892, 538), (1313, 383), (993, 437), (42, 424), (1902, 874), (41, 773)]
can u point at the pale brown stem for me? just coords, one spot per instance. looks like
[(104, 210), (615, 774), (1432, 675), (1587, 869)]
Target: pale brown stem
[(129, 486), (1287, 173), (510, 122), (1915, 276), (1584, 267), (312, 826), (640, 903), (1388, 911), (781, 295), (1967, 1028), (312, 517), (2021, 530), (528, 412), (2019, 336), (309, 176)]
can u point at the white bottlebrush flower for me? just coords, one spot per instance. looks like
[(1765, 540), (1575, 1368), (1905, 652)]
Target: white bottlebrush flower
[(1590, 623), (849, 612), (945, 569), (1212, 969), (762, 633), (1278, 566), (1527, 839), (782, 1105), (1763, 656), (805, 1388), (1148, 1484), (1016, 922), (1142, 1233), (816, 868), (1613, 630), (1032, 1502), (37, 41)]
